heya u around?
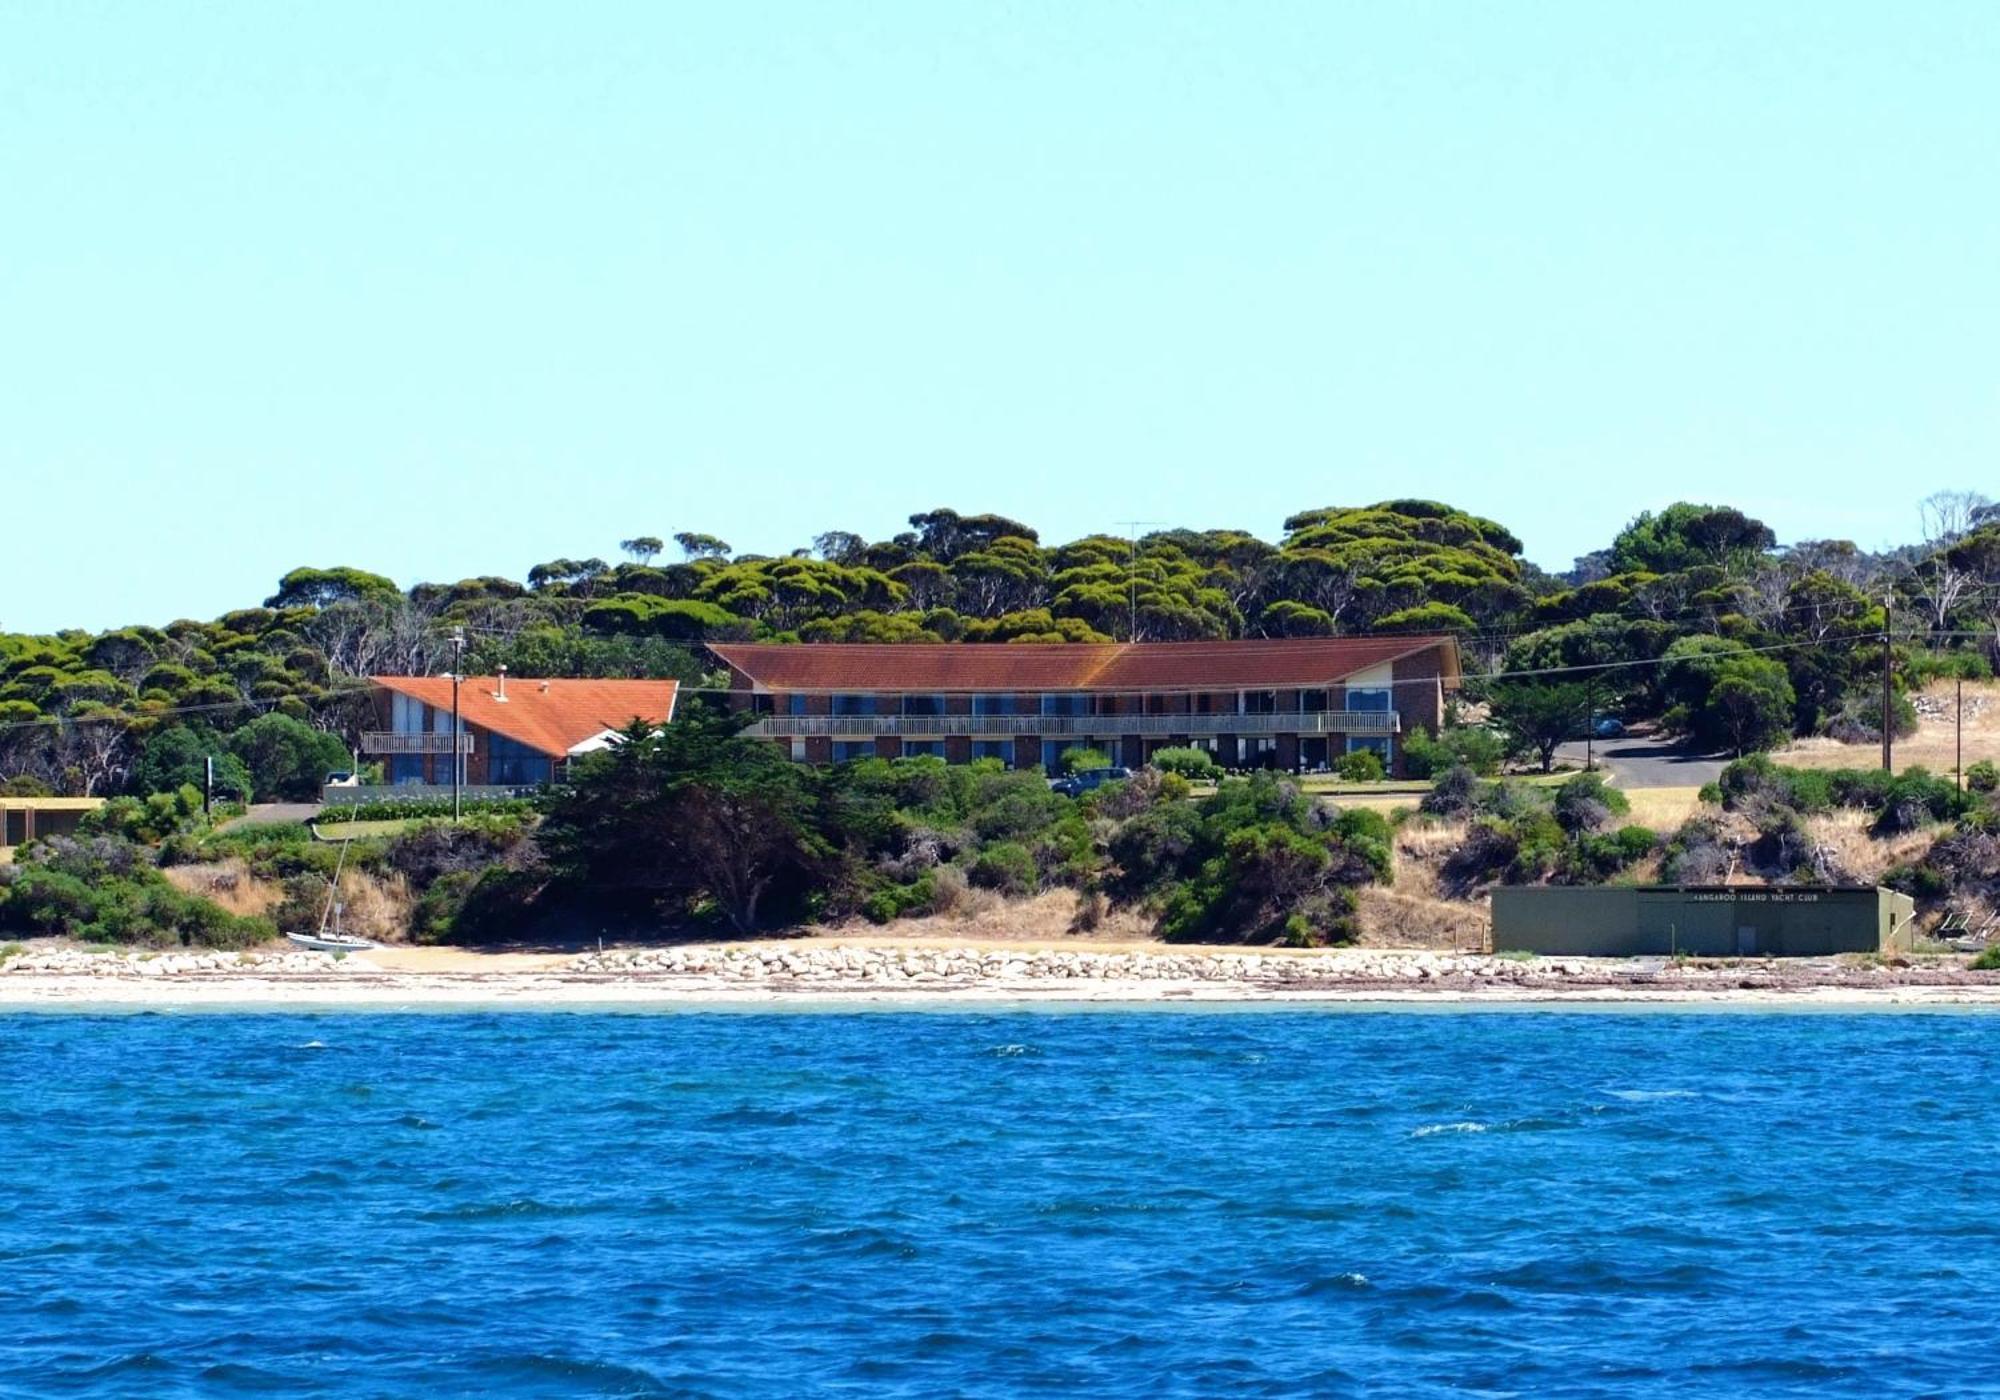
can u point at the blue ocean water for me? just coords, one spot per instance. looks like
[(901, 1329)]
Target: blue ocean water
[(895, 1203)]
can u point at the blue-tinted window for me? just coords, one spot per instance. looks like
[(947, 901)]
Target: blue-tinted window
[(845, 750), (513, 764), (795, 704), (406, 768), (923, 704), (1369, 698), (919, 748), (1065, 703), (854, 704), (1002, 749), (993, 705)]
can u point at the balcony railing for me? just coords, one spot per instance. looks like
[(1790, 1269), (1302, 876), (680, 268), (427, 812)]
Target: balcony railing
[(383, 741), (1068, 726)]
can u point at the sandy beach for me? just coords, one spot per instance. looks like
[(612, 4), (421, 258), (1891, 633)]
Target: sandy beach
[(936, 972)]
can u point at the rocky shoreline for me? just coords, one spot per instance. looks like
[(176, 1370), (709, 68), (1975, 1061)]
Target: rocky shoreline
[(797, 970)]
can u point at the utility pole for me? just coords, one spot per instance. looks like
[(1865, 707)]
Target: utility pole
[(1888, 727), (1958, 734), (1590, 728), (457, 757)]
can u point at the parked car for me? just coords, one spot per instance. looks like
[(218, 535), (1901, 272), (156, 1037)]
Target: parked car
[(1605, 727), (1089, 780)]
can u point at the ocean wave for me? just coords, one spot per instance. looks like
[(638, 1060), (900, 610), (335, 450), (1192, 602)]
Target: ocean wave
[(1332, 1283), (1462, 1126)]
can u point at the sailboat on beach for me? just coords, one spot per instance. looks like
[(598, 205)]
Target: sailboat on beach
[(328, 938)]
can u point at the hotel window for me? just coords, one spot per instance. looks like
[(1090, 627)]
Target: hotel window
[(1002, 749), (513, 764), (1313, 702), (847, 750), (854, 704), (923, 704), (993, 705), (1065, 703), (1260, 702), (923, 748), (406, 714), (1371, 698), (1257, 753), (405, 768), (798, 751), (1377, 744), (795, 704)]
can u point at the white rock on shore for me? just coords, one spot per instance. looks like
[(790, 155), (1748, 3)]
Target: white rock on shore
[(966, 966), (73, 962)]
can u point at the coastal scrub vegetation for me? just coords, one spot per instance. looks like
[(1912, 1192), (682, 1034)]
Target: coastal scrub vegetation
[(1694, 616), (693, 822)]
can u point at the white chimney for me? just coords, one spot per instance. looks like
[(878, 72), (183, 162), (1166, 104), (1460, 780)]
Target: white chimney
[(501, 694)]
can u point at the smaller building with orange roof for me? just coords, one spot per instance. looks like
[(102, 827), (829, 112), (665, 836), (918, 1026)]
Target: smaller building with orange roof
[(514, 732)]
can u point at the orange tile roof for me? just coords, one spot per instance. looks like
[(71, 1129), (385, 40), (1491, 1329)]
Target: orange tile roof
[(933, 668), (551, 716)]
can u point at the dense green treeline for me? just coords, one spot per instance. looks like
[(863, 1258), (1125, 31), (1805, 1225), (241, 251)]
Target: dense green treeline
[(1694, 614)]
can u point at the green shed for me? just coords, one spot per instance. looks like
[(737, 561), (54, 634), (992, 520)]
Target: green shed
[(1615, 921)]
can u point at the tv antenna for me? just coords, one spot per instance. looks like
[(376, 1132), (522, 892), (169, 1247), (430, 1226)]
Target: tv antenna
[(1132, 528)]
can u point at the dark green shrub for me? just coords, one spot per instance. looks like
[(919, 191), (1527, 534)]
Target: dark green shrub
[(1920, 666), (1698, 853), (892, 902), (1360, 766), (1080, 759), (1914, 798), (1193, 764), (1006, 866), (1982, 776), (1635, 843), (1586, 803), (1471, 746), (1454, 794), (1920, 881), (101, 890)]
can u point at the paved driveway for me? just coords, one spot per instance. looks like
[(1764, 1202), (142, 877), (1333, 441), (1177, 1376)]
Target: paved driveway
[(1643, 761)]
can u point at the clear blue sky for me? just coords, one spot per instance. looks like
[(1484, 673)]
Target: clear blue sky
[(444, 289)]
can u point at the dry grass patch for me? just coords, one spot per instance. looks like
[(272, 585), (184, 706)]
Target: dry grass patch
[(1847, 838), (375, 908), (1662, 809), (1402, 919), (1418, 854), (1933, 746), (228, 883)]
